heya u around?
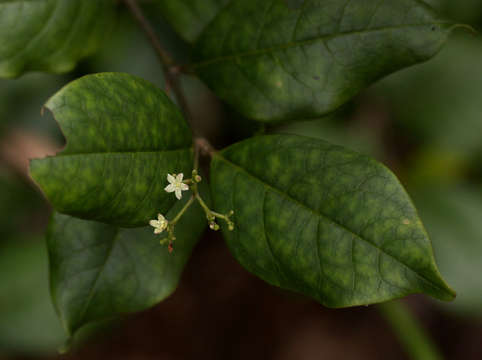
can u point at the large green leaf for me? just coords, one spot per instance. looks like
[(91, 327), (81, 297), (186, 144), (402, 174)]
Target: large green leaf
[(277, 60), (50, 35), (190, 17), (99, 271), (123, 136), (324, 221)]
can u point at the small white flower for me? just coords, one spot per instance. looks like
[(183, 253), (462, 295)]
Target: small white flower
[(176, 185), (159, 225)]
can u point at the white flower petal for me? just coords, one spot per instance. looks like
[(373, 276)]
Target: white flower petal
[(170, 188), (179, 177), (160, 217), (184, 187), (158, 231), (170, 178), (178, 194)]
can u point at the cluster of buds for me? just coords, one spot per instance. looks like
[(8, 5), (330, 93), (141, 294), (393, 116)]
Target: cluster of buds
[(213, 225), (196, 177), (177, 184)]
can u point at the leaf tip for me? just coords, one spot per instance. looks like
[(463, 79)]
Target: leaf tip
[(442, 291), (450, 294)]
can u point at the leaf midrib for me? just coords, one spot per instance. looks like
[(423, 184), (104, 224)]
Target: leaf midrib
[(289, 45), (243, 170)]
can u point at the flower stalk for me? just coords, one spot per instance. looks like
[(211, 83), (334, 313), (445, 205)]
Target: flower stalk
[(177, 184)]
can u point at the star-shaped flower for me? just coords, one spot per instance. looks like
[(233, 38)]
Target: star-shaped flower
[(176, 185), (159, 225)]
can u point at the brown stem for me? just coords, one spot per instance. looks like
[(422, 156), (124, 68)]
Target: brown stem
[(169, 68), (204, 146), (171, 74)]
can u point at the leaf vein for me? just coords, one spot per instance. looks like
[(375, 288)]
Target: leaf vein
[(232, 57), (286, 196)]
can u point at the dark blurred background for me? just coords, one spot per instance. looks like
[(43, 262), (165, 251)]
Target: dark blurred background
[(425, 123)]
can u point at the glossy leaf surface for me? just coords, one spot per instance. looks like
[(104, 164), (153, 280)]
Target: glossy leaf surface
[(51, 35), (99, 271), (283, 60), (123, 137), (324, 221)]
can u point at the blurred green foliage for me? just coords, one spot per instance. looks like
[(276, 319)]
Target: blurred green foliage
[(28, 323), (19, 205), (452, 215), (438, 104), (22, 99), (334, 130)]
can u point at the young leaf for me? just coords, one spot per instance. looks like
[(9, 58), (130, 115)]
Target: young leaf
[(123, 137), (324, 221), (50, 35), (190, 17), (98, 271), (274, 60)]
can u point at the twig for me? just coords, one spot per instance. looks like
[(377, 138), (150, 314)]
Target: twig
[(204, 146), (170, 69), (171, 74)]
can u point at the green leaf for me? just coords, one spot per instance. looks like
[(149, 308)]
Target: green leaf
[(452, 217), (273, 61), (123, 137), (190, 17), (324, 221), (98, 271), (51, 35)]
